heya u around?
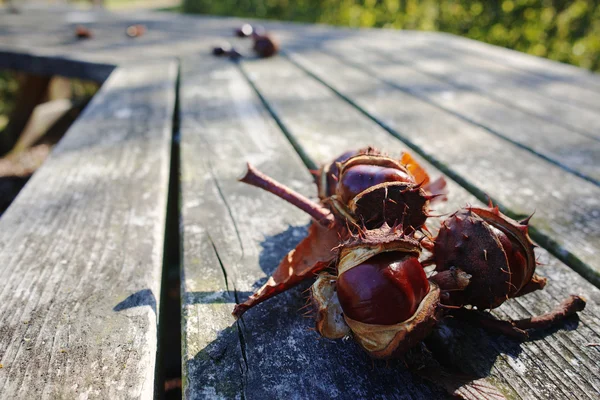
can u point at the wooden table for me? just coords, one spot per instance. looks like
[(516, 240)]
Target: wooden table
[(84, 250)]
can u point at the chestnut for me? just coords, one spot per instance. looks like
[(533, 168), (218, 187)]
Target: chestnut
[(491, 247), (265, 46), (373, 189), (244, 31), (381, 291), (385, 290), (81, 32), (358, 178), (326, 177)]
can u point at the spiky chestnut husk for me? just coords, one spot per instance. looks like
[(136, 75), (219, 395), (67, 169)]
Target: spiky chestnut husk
[(382, 293), (491, 247), (373, 189)]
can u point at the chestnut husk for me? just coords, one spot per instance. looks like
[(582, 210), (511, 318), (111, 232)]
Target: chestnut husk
[(472, 239), (394, 203)]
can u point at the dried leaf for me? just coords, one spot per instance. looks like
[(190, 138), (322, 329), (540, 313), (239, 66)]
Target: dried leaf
[(421, 176), (313, 254), (437, 189)]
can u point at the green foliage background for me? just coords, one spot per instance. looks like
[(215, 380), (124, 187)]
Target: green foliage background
[(567, 31)]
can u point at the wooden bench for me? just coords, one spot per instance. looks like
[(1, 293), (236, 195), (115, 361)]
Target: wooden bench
[(79, 310)]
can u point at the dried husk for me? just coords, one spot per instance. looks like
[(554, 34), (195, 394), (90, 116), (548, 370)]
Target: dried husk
[(372, 242), (391, 341), (468, 240), (329, 319)]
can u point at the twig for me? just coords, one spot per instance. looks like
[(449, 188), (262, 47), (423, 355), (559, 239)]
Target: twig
[(256, 178), (569, 307)]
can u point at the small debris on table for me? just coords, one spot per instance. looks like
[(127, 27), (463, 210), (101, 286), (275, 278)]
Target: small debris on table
[(81, 32), (226, 50), (245, 30), (265, 45), (134, 31)]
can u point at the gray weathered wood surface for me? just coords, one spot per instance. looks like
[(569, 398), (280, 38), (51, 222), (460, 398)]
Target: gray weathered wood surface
[(331, 90), (81, 250), (299, 108)]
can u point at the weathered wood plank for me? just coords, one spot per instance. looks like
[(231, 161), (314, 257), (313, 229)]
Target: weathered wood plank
[(233, 237), (444, 47), (565, 105), (537, 66), (558, 364), (81, 250), (44, 42), (567, 217), (573, 151)]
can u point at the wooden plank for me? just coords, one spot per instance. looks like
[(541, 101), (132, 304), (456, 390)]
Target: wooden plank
[(555, 365), (81, 250), (565, 105), (233, 237), (567, 214), (571, 150), (537, 66), (493, 74), (43, 41)]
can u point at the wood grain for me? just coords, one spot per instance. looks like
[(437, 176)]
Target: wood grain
[(434, 80), (555, 364), (574, 108), (535, 66), (81, 250)]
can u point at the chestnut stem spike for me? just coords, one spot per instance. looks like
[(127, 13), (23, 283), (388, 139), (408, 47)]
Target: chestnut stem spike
[(256, 178)]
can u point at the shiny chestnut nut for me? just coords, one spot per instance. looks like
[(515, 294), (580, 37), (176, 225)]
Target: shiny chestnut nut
[(359, 178), (373, 189), (265, 45), (386, 289), (491, 247), (381, 294), (327, 176)]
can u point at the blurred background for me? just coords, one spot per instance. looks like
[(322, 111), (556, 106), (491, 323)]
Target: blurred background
[(563, 30)]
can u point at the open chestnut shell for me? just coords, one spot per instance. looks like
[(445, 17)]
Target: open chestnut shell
[(381, 294), (373, 189)]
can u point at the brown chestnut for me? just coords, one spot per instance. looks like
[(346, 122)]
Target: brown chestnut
[(491, 247), (358, 178), (265, 45), (384, 290)]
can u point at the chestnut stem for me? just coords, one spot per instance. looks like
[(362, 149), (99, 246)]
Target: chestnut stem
[(256, 178), (451, 279), (568, 307), (518, 329)]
